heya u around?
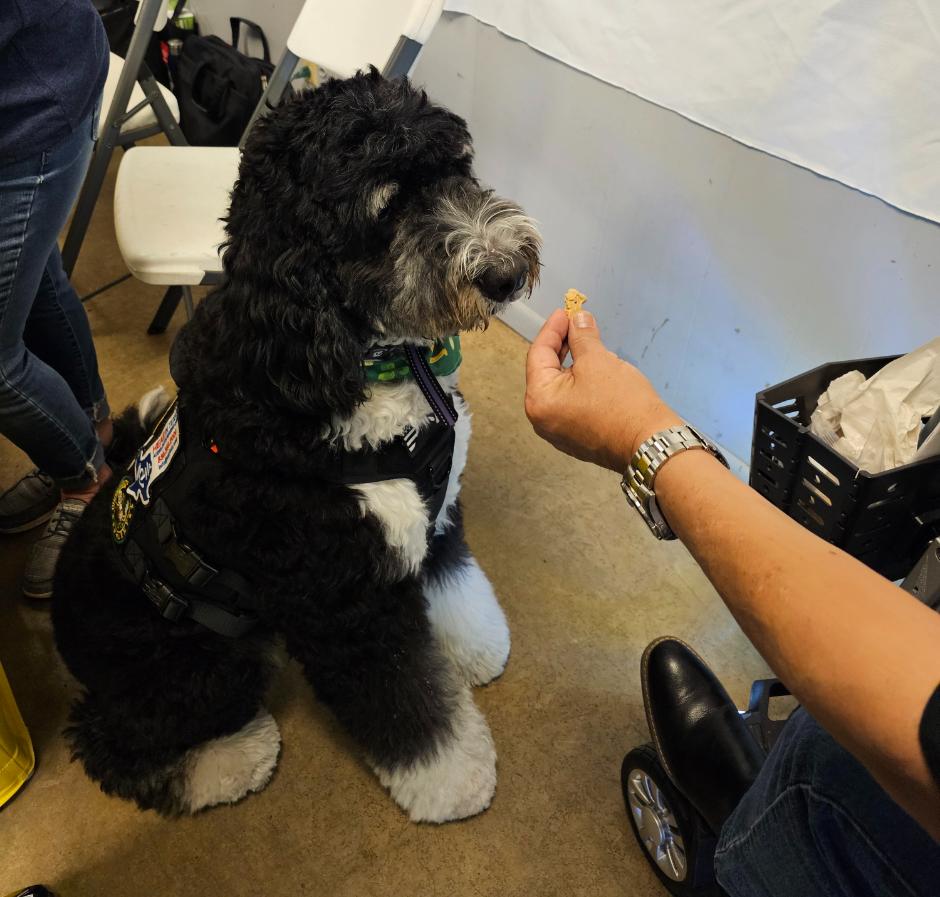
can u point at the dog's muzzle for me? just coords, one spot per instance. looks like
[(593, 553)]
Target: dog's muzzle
[(502, 282)]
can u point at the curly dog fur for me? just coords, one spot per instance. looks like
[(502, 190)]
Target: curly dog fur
[(356, 221)]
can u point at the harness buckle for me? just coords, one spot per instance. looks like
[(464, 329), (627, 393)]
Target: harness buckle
[(171, 606), (189, 563)]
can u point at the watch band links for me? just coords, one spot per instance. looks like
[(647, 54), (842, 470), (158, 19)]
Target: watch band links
[(639, 479)]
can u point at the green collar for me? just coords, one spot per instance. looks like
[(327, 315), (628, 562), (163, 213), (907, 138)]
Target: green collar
[(388, 364)]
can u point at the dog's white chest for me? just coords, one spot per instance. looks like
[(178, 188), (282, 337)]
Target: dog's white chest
[(397, 504)]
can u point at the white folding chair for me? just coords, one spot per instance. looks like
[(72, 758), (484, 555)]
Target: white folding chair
[(168, 200), (134, 106), (141, 119)]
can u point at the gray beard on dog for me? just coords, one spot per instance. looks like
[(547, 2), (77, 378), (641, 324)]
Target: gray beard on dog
[(441, 256)]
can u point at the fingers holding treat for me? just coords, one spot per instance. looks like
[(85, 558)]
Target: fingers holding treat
[(574, 299)]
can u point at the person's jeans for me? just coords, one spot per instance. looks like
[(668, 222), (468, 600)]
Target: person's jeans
[(816, 824), (50, 391)]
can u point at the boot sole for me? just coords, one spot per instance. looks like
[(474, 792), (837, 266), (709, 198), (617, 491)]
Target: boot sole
[(26, 527), (37, 596)]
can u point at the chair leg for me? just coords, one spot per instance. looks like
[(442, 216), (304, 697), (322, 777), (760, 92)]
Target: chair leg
[(91, 187), (188, 302), (111, 133), (168, 305), (403, 58), (168, 124), (277, 84)]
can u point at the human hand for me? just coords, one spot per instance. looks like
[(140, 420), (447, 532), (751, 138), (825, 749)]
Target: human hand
[(601, 408)]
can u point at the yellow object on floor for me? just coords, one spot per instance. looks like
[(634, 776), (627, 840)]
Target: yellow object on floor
[(17, 759)]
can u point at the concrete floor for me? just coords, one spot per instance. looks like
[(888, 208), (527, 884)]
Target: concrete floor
[(585, 588)]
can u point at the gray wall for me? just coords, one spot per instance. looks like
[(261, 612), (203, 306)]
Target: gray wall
[(716, 268)]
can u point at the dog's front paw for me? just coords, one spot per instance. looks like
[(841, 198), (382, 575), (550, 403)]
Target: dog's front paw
[(225, 769), (469, 625), (481, 664), (489, 662), (458, 781)]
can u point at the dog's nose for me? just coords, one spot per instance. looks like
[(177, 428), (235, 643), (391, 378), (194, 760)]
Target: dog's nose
[(499, 282)]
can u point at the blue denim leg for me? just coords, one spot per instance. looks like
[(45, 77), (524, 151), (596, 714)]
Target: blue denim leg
[(816, 823), (57, 332), (50, 391)]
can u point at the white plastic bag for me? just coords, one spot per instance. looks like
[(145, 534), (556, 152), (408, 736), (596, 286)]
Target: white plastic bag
[(876, 422)]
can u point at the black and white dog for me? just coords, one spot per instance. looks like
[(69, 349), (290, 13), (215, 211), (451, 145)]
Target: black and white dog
[(356, 222)]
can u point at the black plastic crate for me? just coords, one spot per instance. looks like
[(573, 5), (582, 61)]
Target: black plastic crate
[(884, 519)]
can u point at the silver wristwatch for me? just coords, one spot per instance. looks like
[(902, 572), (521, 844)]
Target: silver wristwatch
[(640, 477)]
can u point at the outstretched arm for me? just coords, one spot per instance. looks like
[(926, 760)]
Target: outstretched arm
[(862, 655)]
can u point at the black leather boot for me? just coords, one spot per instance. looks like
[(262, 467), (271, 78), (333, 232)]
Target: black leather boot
[(702, 742)]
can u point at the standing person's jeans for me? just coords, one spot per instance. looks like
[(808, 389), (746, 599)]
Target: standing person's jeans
[(50, 393), (816, 823)]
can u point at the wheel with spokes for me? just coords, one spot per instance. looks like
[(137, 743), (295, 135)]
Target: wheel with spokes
[(674, 838)]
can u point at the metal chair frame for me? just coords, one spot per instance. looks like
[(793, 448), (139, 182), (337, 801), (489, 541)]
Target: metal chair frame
[(111, 137)]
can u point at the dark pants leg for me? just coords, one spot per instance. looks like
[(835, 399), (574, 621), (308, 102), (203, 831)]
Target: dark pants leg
[(57, 333), (816, 823), (50, 391)]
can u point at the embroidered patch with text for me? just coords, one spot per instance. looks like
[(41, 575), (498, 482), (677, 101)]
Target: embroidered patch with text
[(155, 457), (122, 509)]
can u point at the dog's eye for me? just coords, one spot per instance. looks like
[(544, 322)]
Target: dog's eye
[(379, 199)]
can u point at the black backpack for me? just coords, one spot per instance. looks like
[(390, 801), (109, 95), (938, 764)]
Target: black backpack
[(218, 87)]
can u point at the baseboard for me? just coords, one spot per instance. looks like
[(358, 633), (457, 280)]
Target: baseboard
[(524, 319)]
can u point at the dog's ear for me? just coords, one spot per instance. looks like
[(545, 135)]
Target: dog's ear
[(284, 312), (264, 344), (314, 360), (309, 343)]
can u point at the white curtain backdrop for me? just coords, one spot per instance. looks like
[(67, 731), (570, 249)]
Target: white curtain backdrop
[(847, 88)]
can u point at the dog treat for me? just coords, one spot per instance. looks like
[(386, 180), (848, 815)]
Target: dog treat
[(573, 302)]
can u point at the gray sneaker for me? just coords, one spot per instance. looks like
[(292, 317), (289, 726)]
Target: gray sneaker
[(28, 504), (40, 568)]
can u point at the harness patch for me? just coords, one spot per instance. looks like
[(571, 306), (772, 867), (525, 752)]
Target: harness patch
[(122, 509), (155, 457)]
